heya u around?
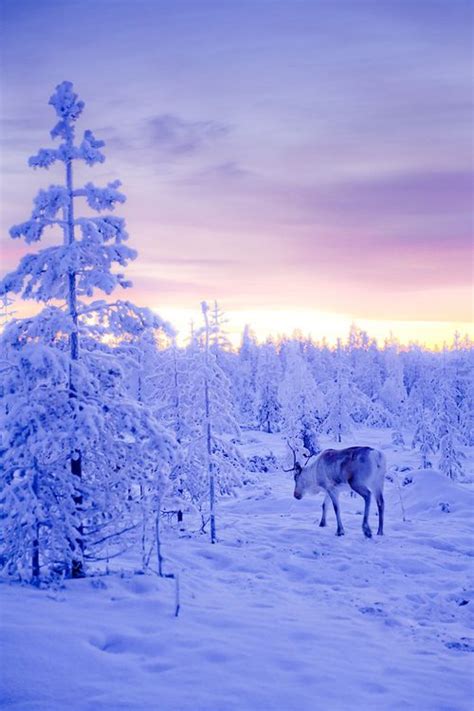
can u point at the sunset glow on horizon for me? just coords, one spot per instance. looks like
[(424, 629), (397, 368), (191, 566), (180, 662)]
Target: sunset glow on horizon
[(307, 164), (317, 326)]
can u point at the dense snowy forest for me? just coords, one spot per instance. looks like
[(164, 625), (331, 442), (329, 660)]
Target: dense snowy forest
[(106, 423), (112, 433)]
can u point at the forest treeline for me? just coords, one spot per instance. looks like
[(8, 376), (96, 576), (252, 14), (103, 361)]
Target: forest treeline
[(105, 422)]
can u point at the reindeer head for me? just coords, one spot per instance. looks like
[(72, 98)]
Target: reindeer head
[(298, 471)]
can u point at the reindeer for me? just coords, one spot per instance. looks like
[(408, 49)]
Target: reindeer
[(362, 468)]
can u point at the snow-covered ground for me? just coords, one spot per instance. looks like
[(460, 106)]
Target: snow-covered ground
[(280, 615)]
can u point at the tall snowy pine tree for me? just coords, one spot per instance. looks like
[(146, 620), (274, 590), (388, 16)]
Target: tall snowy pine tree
[(74, 438)]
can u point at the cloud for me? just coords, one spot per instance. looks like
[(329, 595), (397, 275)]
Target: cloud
[(176, 136), (219, 175), (20, 124), (197, 262), (409, 193)]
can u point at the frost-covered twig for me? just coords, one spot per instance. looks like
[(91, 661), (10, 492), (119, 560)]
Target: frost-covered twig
[(114, 534)]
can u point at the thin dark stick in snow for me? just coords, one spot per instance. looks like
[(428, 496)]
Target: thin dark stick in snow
[(176, 594), (161, 574), (107, 561), (147, 556), (204, 522), (158, 544)]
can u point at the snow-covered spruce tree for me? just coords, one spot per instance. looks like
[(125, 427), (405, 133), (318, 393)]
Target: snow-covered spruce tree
[(183, 392), (220, 344), (445, 402), (465, 390), (142, 357), (319, 358), (393, 393), (417, 370), (175, 394), (420, 408), (212, 464), (302, 403), (425, 437), (447, 417), (178, 394), (34, 396), (268, 375), (121, 444), (365, 362), (169, 391), (244, 379), (73, 435), (218, 338), (339, 396), (457, 375), (451, 456)]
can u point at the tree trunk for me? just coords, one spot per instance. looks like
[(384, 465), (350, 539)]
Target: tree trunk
[(77, 566), (210, 467), (35, 564)]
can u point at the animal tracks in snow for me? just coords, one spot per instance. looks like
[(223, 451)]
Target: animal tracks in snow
[(129, 643)]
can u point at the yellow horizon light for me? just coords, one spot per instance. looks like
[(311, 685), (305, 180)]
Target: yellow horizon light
[(318, 325)]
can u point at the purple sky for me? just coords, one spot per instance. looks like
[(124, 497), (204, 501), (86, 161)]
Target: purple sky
[(311, 156)]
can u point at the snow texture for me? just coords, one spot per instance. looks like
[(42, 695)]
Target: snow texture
[(279, 615)]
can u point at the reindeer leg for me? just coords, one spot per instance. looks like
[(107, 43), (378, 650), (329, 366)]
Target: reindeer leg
[(322, 523), (381, 508), (365, 493), (335, 502)]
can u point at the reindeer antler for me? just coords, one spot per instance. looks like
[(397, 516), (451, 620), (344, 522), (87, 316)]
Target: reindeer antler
[(294, 458), (308, 457)]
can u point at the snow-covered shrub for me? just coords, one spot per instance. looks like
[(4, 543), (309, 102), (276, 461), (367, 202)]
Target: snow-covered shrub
[(451, 456), (262, 462)]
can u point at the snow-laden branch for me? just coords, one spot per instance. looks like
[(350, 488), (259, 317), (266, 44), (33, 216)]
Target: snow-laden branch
[(101, 198)]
